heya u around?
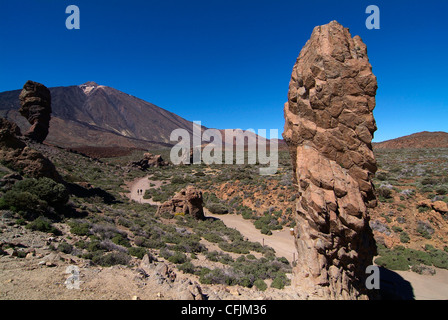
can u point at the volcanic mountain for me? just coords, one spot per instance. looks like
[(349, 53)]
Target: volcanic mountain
[(100, 116), (417, 140)]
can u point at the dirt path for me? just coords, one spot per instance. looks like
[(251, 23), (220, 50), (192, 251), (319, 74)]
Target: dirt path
[(281, 240), (143, 184), (428, 287), (424, 287)]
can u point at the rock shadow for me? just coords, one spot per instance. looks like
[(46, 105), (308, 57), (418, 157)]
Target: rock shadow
[(83, 192), (394, 287)]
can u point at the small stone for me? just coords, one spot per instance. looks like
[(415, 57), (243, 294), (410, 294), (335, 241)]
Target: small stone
[(440, 206)]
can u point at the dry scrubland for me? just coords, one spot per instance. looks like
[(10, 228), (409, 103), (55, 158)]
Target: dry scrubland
[(97, 228)]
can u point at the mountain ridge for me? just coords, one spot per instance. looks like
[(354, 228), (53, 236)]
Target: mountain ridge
[(95, 115), (419, 140)]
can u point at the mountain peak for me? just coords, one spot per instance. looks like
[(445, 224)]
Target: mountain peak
[(89, 84)]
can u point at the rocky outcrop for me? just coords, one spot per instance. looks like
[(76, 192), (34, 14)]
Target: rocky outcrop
[(187, 201), (149, 161), (329, 128), (15, 154), (35, 101)]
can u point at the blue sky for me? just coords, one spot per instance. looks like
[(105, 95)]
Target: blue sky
[(227, 63)]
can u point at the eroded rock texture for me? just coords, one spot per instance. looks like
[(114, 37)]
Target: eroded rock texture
[(15, 154), (35, 100), (329, 128), (149, 161), (187, 201)]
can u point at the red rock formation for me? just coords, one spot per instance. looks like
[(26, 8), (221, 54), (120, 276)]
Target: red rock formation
[(17, 155), (329, 128), (186, 201), (149, 160)]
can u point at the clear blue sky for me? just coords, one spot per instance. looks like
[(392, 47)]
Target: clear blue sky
[(228, 63)]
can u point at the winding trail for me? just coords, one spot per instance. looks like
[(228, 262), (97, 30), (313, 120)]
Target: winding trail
[(424, 287), (280, 240)]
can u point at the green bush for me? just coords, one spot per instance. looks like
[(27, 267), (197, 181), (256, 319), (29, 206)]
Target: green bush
[(404, 237), (401, 258), (138, 252), (43, 224), (24, 201), (212, 237), (260, 285), (65, 247), (79, 228), (384, 192), (121, 240), (280, 282), (53, 193), (217, 208), (111, 259), (187, 267), (178, 258)]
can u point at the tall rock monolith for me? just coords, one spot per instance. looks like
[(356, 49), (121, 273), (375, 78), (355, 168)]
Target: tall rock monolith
[(329, 128), (35, 101)]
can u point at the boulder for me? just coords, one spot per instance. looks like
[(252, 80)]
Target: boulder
[(149, 160), (440, 206), (15, 154), (329, 126), (187, 201)]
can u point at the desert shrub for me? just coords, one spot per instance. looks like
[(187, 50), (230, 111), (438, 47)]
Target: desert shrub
[(138, 252), (267, 223), (280, 282), (401, 258), (426, 189), (43, 224), (217, 208), (233, 247), (178, 258), (24, 201), (219, 257), (53, 193), (425, 229), (216, 276), (404, 237), (79, 228), (111, 259), (428, 181), (384, 193), (283, 260), (260, 285), (265, 230), (441, 191), (187, 267), (94, 246), (121, 240), (382, 176), (212, 237), (65, 247)]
